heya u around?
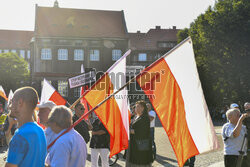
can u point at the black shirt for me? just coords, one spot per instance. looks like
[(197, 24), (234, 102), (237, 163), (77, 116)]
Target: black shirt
[(99, 141), (82, 129)]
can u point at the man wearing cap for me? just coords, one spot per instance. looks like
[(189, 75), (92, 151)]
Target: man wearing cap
[(44, 110)]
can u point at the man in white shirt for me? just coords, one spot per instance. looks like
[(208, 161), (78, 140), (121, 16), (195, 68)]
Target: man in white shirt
[(233, 134), (152, 116)]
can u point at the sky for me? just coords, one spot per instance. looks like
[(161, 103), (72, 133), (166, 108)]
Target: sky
[(140, 15)]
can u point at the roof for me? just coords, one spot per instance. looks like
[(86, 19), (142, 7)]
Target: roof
[(15, 39), (67, 22), (149, 40)]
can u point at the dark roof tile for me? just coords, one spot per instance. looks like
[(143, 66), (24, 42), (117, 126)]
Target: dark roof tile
[(15, 39), (66, 22)]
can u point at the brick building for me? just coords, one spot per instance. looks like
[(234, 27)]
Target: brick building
[(17, 42), (65, 38)]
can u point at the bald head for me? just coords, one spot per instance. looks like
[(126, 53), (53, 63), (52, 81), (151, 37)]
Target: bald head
[(28, 95)]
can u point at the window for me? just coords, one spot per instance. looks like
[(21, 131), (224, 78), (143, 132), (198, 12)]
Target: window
[(77, 92), (63, 88), (78, 54), (28, 54), (13, 51), (94, 55), (142, 57), (166, 44), (116, 54), (46, 54), (22, 53), (63, 54), (6, 51)]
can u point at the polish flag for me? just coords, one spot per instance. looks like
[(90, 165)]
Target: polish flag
[(49, 93), (2, 93), (114, 112), (174, 89)]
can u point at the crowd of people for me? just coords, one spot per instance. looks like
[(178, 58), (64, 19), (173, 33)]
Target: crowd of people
[(38, 125), (30, 134)]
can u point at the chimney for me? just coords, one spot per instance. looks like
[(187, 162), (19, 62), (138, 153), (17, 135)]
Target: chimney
[(138, 32), (174, 27), (157, 27)]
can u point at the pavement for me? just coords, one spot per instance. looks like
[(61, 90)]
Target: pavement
[(165, 154)]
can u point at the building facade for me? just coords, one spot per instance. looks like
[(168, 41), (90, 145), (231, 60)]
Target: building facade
[(16, 42), (65, 38)]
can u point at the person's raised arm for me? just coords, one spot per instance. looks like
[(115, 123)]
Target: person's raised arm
[(238, 126)]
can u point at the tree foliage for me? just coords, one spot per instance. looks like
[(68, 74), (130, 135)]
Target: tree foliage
[(221, 40), (13, 71)]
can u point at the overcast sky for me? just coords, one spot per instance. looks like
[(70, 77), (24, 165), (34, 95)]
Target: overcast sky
[(139, 14)]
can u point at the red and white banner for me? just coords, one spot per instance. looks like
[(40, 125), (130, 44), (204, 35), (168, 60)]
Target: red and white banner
[(49, 93), (114, 112), (2, 93), (177, 97)]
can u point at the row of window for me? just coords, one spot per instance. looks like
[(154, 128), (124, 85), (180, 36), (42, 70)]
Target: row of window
[(21, 52), (46, 54)]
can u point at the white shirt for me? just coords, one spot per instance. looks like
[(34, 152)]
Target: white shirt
[(152, 114), (68, 151), (233, 144)]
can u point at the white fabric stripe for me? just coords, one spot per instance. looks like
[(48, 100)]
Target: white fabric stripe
[(117, 74), (47, 91), (182, 64)]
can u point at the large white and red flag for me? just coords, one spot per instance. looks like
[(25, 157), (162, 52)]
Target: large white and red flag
[(174, 89), (49, 93), (114, 112), (2, 93)]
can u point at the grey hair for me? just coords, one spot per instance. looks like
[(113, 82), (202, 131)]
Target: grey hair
[(246, 104), (61, 116), (231, 112)]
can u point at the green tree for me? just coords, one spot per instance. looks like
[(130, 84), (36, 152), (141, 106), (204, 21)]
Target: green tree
[(221, 40), (13, 71)]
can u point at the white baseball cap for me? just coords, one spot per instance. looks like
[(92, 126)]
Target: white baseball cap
[(48, 104)]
